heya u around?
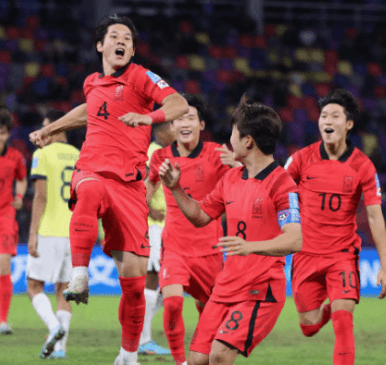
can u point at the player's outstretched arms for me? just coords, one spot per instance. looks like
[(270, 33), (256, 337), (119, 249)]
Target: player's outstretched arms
[(173, 106), (227, 156), (170, 177), (75, 118), (285, 244), (377, 227)]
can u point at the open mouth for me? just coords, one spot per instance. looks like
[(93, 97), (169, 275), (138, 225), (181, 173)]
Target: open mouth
[(329, 130), (186, 133), (120, 52)]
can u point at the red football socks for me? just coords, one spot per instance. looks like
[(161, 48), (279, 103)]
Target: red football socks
[(174, 327), (344, 350), (310, 330), (84, 221), (132, 311), (6, 289)]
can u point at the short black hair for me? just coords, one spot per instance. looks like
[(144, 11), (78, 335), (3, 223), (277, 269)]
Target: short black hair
[(53, 115), (345, 99), (101, 30), (6, 119), (196, 101), (259, 121)]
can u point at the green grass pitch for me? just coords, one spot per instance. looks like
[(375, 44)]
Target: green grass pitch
[(95, 336)]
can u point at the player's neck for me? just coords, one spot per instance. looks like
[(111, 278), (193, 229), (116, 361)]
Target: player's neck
[(335, 150), (185, 149), (255, 164), (2, 146)]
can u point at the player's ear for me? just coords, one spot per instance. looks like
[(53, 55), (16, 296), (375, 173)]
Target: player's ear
[(202, 125), (249, 142), (350, 124), (99, 46)]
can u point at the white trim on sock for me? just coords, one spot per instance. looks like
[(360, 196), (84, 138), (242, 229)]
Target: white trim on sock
[(43, 308), (79, 271), (130, 357)]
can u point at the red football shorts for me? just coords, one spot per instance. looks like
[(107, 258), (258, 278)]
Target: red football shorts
[(241, 325), (9, 231), (195, 274), (316, 278), (123, 211)]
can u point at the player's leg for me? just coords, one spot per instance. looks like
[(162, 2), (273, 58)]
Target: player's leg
[(6, 290), (200, 306), (63, 314), (90, 194), (343, 290), (309, 292), (132, 276), (221, 354), (173, 322), (152, 295)]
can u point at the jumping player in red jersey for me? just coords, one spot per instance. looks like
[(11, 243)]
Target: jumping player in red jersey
[(188, 261), (108, 180), (12, 167), (261, 206), (331, 176)]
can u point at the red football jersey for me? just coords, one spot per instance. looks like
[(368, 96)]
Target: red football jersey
[(255, 208), (330, 191), (200, 172), (12, 166), (112, 148)]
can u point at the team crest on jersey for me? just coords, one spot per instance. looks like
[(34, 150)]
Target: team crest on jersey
[(118, 93), (162, 84), (257, 208), (200, 175), (348, 184)]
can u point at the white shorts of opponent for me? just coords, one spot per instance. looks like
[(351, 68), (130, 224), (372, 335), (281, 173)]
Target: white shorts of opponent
[(155, 248), (54, 262)]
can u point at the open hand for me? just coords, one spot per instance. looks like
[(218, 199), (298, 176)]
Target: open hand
[(234, 246), (169, 174), (33, 245), (227, 156)]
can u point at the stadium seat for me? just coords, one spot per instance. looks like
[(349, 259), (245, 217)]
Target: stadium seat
[(229, 52), (374, 69), (226, 64), (32, 69), (197, 63), (26, 45), (322, 89), (370, 143), (270, 30), (224, 76), (242, 65), (192, 87), (4, 74), (281, 29), (3, 35), (246, 40), (186, 26), (12, 45), (32, 22), (369, 103), (295, 90), (182, 62), (317, 55), (360, 68), (345, 68), (296, 132), (259, 42), (5, 56), (293, 102), (12, 32), (215, 52), (299, 115), (285, 114), (47, 70), (341, 81), (302, 55), (41, 33), (202, 38), (308, 90)]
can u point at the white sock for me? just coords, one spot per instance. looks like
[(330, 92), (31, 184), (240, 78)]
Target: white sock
[(185, 363), (43, 308), (79, 271), (64, 319), (151, 301), (159, 304), (130, 357)]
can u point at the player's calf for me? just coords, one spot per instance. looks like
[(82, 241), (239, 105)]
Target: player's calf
[(310, 329)]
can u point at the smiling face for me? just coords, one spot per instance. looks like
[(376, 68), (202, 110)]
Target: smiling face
[(333, 124), (187, 128), (117, 48)]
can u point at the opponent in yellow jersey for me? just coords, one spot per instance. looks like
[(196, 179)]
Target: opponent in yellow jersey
[(157, 209), (49, 256)]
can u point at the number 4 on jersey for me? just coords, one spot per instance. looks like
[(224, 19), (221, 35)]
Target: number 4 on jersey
[(102, 112)]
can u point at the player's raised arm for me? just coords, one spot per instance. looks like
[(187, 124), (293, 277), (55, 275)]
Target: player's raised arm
[(285, 244), (173, 106), (75, 118), (170, 177), (377, 227)]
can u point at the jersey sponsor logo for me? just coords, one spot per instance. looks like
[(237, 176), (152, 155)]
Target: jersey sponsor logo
[(199, 173), (378, 185), (254, 292), (153, 77), (348, 184), (34, 163), (288, 216), (257, 208), (293, 201), (290, 159), (118, 93), (162, 84)]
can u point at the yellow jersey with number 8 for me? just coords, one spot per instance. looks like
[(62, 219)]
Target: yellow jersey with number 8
[(55, 163)]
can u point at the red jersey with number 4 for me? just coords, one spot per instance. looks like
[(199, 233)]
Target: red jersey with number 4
[(12, 166), (111, 148), (330, 191), (256, 209), (200, 172)]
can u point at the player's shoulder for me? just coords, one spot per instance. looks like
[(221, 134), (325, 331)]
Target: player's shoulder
[(91, 78), (209, 149), (14, 153), (360, 161), (162, 153), (310, 150)]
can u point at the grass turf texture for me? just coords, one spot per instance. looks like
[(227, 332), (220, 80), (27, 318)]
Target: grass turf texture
[(95, 336)]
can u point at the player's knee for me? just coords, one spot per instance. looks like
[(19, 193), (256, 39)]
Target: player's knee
[(308, 330), (196, 358), (90, 192), (217, 357), (34, 288), (172, 305)]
